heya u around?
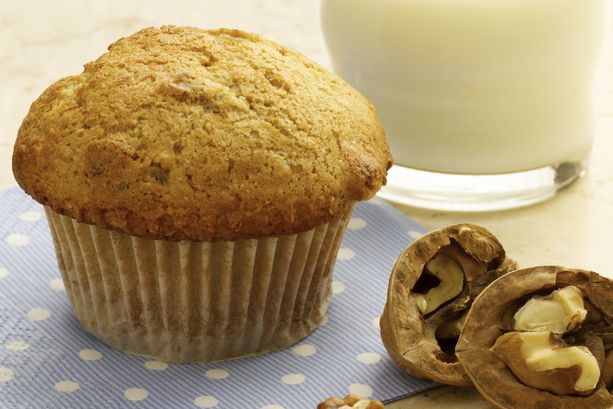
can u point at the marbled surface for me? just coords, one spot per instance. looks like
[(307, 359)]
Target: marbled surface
[(43, 40)]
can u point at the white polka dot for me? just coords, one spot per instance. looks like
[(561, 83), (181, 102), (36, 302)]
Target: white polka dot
[(16, 346), (30, 216), (304, 350), (217, 374), (3, 272), (272, 407), (38, 314), (156, 365), (66, 386), (293, 378), (345, 253), (135, 394), (369, 358), (206, 402), (324, 321), (364, 391), (90, 354), (338, 287), (414, 234), (17, 240), (376, 322), (356, 223), (57, 284), (6, 374)]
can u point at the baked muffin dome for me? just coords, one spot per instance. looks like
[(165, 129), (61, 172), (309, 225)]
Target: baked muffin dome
[(180, 133)]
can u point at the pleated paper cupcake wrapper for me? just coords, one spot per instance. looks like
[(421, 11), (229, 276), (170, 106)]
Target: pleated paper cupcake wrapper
[(196, 301)]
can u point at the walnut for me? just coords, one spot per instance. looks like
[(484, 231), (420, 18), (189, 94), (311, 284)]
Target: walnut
[(350, 402), (431, 288), (542, 335)]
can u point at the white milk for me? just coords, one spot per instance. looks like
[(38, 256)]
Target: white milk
[(473, 86)]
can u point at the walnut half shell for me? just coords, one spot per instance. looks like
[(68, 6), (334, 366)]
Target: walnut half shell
[(431, 288), (542, 335)]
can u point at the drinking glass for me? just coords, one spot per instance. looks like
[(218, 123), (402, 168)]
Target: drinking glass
[(487, 104)]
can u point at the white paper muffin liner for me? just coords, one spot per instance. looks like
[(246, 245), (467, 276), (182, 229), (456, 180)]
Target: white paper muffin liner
[(182, 301)]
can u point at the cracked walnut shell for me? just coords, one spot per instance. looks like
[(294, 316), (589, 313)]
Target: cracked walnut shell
[(542, 335), (431, 288)]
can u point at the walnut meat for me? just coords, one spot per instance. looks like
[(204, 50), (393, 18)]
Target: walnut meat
[(431, 288), (350, 402)]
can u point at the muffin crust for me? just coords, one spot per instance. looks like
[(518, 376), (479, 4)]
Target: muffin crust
[(180, 133)]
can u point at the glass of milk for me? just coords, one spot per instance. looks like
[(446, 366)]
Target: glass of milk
[(487, 104)]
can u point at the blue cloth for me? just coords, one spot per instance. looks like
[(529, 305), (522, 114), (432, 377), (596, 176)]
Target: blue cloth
[(48, 361)]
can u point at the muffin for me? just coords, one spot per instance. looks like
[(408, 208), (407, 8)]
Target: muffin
[(197, 184)]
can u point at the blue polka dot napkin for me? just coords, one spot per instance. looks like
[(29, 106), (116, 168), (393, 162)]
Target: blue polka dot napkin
[(48, 361)]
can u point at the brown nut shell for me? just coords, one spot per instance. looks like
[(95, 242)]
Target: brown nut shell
[(484, 325), (410, 336)]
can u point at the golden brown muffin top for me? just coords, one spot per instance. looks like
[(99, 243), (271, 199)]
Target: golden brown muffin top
[(181, 133)]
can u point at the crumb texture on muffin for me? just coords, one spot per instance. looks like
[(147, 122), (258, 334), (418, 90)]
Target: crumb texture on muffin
[(181, 133)]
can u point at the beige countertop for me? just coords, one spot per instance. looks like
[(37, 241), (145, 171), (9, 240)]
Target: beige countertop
[(43, 41)]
